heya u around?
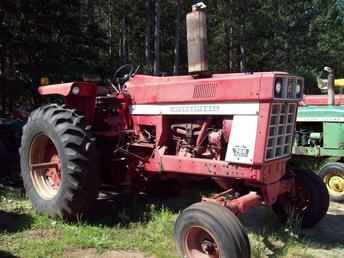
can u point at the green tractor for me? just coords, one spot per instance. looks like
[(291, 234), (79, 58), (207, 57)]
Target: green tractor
[(319, 141)]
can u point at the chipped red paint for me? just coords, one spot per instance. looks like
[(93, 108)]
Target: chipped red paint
[(181, 89)]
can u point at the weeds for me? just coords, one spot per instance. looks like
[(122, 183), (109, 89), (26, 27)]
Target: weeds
[(142, 226)]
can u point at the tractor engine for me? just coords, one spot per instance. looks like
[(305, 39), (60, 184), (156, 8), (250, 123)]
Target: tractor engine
[(201, 139)]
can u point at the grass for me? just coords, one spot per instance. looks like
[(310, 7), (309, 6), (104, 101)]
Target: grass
[(30, 235), (144, 226)]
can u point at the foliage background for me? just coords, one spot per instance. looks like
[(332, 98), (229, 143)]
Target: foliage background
[(72, 39)]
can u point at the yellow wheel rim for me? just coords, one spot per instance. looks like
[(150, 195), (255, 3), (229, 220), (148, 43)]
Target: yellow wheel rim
[(335, 183)]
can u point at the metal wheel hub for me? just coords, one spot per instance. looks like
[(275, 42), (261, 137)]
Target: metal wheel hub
[(53, 174), (45, 167), (336, 183), (200, 243), (208, 247)]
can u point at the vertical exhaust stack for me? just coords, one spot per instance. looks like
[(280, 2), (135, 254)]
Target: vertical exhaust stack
[(197, 39), (330, 84)]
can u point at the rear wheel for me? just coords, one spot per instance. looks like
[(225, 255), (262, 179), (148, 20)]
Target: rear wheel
[(310, 203), (333, 177), (207, 230), (58, 162)]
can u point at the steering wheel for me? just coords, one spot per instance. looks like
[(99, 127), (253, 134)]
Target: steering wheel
[(123, 74)]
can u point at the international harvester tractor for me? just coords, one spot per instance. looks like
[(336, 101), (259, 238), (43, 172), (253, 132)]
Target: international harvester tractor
[(236, 129)]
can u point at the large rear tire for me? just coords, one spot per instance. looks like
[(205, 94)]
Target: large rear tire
[(309, 205), (333, 177), (208, 230), (58, 162)]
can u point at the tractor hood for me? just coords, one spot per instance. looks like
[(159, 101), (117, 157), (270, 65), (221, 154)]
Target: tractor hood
[(321, 114), (321, 100)]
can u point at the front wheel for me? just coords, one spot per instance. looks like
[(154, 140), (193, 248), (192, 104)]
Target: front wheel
[(333, 177), (58, 160), (309, 204), (208, 230)]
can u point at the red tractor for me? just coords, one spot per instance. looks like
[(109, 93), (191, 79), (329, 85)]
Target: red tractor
[(237, 129)]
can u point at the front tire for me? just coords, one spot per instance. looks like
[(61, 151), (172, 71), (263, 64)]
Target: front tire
[(333, 177), (310, 203), (58, 162), (210, 231)]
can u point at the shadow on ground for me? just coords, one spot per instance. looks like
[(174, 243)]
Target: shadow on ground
[(12, 222), (4, 254), (330, 230), (113, 208)]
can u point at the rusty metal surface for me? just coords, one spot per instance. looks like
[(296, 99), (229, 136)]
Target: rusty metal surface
[(197, 41)]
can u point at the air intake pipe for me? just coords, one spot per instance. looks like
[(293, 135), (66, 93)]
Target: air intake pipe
[(197, 39)]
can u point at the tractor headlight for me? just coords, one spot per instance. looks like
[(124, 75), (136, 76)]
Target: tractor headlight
[(299, 88), (76, 91), (278, 88)]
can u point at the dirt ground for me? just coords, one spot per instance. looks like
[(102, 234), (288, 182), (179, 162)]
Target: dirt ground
[(92, 253)]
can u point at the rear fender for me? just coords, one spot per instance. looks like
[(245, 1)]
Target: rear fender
[(77, 95)]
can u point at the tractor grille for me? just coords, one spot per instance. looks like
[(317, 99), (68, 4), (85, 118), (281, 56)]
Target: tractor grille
[(281, 130), (205, 90)]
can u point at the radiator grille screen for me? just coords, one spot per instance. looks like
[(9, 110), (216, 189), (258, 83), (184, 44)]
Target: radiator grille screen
[(281, 130)]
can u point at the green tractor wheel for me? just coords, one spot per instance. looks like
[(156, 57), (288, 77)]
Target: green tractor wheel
[(333, 176)]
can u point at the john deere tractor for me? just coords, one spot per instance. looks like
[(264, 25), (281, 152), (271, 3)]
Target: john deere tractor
[(320, 134)]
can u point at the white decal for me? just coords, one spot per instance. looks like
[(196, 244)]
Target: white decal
[(242, 141), (197, 109)]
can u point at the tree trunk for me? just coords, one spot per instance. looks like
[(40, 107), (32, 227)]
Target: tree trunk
[(109, 26), (228, 23), (148, 36), (90, 11), (83, 15), (124, 43), (120, 42), (11, 81), (242, 58), (157, 38), (35, 81), (2, 80), (177, 39), (242, 43)]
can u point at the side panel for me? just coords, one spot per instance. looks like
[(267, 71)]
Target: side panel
[(242, 140), (333, 135), (269, 173)]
